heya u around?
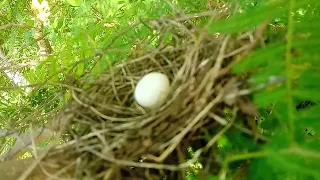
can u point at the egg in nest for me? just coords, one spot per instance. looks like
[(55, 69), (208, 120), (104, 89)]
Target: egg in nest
[(152, 90)]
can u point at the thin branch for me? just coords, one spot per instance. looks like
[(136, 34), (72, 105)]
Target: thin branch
[(143, 164), (217, 136), (14, 25)]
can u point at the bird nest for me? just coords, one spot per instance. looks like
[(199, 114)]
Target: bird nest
[(107, 135)]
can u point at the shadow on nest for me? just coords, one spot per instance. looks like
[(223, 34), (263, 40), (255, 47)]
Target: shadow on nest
[(109, 136)]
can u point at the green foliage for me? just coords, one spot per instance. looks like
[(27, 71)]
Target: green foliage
[(83, 33), (291, 153), (74, 2), (251, 18), (194, 167), (78, 31), (43, 96)]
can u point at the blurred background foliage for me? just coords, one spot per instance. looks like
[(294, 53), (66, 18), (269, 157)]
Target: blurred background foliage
[(79, 30)]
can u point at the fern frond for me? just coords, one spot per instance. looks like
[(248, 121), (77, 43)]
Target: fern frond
[(295, 55)]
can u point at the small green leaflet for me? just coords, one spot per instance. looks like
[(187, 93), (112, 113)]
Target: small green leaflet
[(267, 97), (251, 18), (53, 70), (273, 52), (80, 69)]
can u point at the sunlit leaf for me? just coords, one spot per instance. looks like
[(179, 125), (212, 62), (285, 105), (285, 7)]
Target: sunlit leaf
[(53, 69), (80, 69), (100, 66), (74, 2)]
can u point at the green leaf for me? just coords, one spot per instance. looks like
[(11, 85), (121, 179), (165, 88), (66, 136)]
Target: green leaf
[(259, 169), (263, 56), (267, 97), (3, 3), (238, 141), (309, 117), (212, 177), (74, 2), (263, 75), (223, 142), (296, 165), (307, 94), (53, 69), (279, 166), (100, 66), (250, 19), (80, 69)]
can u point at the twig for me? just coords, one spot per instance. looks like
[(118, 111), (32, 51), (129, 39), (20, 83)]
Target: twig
[(234, 52), (238, 157), (56, 174), (249, 132), (220, 133), (219, 119), (176, 140), (103, 115), (143, 164), (26, 173), (13, 25)]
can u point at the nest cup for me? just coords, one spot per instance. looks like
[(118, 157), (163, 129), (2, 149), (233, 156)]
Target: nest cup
[(111, 137)]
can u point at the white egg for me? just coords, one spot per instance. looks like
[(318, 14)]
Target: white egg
[(152, 90)]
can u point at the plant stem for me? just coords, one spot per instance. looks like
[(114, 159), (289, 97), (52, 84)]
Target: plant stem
[(239, 157), (288, 69), (246, 156)]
